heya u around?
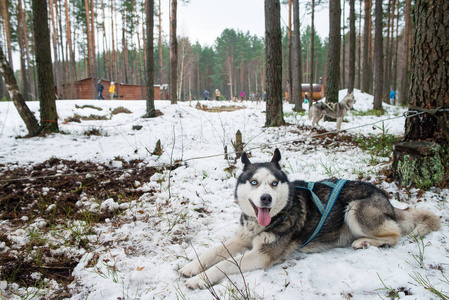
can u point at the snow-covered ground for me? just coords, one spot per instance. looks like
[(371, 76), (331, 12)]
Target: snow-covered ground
[(194, 207)]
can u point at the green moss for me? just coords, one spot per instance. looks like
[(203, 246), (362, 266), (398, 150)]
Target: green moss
[(423, 173)]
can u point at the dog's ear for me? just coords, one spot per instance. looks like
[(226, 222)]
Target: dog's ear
[(245, 161), (276, 157)]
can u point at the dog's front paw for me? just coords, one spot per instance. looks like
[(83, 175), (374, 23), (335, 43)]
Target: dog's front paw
[(197, 282), (191, 269), (361, 244)]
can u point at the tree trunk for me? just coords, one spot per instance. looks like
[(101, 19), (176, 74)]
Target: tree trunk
[(406, 70), (378, 57), (90, 51), (27, 116), (333, 65), (297, 77), (289, 82), (151, 111), (72, 63), (273, 48), (48, 114), (161, 74), (312, 52), (173, 88), (343, 50), (7, 24), (351, 46), (366, 33), (21, 37), (422, 160), (55, 51)]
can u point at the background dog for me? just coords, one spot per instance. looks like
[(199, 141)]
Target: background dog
[(278, 216), (334, 110)]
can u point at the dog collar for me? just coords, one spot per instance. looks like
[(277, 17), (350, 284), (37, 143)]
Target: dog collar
[(325, 211)]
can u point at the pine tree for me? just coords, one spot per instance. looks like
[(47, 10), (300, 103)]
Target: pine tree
[(48, 114), (273, 50)]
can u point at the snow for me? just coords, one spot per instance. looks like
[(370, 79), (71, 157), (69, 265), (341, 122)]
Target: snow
[(139, 259)]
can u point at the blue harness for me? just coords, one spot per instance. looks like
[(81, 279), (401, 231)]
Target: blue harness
[(325, 211)]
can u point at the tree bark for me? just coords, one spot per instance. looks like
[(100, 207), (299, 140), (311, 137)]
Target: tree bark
[(333, 65), (422, 160), (366, 33), (378, 57), (406, 70), (312, 52), (21, 33), (173, 85), (351, 46), (151, 111), (48, 114), (297, 74), (25, 113), (273, 49)]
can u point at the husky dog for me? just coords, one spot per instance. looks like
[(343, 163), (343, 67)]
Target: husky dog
[(279, 216), (333, 110)]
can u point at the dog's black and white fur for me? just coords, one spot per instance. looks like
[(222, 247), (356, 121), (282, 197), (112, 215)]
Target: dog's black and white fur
[(277, 217), (334, 110)]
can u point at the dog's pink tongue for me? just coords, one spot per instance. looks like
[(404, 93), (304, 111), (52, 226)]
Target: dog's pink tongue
[(264, 216)]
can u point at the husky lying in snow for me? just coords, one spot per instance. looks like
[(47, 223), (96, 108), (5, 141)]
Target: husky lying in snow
[(280, 216), (334, 110)]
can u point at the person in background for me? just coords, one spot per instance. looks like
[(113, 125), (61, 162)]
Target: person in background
[(306, 98), (112, 90), (242, 95), (251, 96), (100, 88), (206, 95), (392, 96), (217, 94), (264, 96)]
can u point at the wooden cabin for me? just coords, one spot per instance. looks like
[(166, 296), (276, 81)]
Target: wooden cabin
[(123, 91), (319, 91)]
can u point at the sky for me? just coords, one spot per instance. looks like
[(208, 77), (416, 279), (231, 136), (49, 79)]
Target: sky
[(205, 20)]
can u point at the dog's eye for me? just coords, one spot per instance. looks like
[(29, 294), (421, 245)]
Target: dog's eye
[(253, 182), (274, 183)]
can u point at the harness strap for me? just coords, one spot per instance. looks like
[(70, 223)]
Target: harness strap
[(336, 189)]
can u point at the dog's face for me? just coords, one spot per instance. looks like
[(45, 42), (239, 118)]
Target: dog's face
[(262, 189), (349, 100)]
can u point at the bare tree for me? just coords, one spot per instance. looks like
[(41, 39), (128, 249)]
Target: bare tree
[(366, 46), (351, 46), (312, 53), (273, 50), (151, 111), (48, 114), (27, 116), (173, 85), (297, 74), (378, 58), (333, 65)]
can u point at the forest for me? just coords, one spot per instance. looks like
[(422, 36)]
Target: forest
[(111, 35)]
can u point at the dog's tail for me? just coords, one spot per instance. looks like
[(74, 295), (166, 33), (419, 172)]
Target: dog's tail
[(417, 222)]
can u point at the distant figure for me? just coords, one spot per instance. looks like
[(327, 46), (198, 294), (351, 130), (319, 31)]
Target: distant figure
[(392, 96), (251, 96), (100, 88), (321, 80), (306, 98), (217, 94), (286, 96), (242, 95), (206, 95), (264, 96), (112, 90)]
